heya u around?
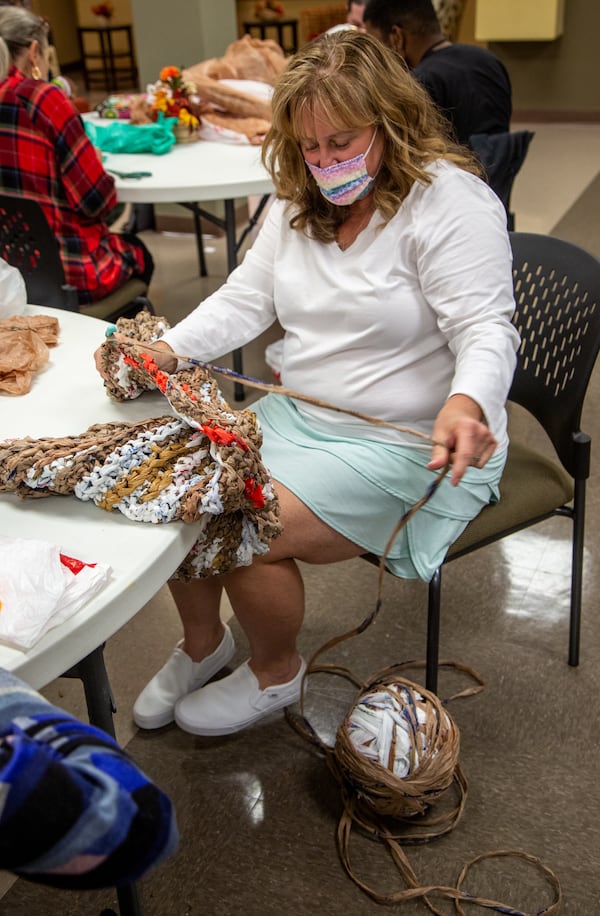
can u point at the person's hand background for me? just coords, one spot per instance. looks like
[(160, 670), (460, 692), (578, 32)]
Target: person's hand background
[(469, 442)]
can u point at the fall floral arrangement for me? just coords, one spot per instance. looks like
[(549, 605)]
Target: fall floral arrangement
[(268, 9), (104, 10), (174, 97)]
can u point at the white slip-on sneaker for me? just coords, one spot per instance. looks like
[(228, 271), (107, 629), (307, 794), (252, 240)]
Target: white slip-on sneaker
[(234, 702), (155, 705)]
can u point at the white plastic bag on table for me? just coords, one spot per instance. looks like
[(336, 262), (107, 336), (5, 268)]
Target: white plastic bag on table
[(13, 296), (40, 587)]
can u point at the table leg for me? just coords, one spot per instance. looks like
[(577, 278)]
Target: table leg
[(91, 671), (200, 244), (129, 902), (197, 212), (253, 220), (232, 250)]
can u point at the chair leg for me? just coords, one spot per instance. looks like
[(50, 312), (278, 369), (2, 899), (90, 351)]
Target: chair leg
[(576, 573), (433, 631)]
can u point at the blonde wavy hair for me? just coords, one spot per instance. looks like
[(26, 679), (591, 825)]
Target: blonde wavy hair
[(354, 81)]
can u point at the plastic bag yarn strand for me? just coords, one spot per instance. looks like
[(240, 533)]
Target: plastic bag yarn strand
[(21, 459), (261, 385), (415, 890)]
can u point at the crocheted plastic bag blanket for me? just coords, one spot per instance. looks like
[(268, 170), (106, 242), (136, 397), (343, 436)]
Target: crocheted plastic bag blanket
[(203, 463)]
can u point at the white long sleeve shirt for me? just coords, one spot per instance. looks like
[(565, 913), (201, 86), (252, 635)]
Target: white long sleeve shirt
[(408, 315)]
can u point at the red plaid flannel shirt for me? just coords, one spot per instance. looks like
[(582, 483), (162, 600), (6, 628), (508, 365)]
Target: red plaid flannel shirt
[(46, 155)]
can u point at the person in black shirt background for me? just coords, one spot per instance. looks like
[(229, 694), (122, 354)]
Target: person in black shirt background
[(468, 83)]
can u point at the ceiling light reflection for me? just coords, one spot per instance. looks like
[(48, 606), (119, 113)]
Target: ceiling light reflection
[(253, 795), (537, 570)]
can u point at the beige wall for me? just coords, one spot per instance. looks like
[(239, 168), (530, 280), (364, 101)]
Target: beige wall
[(62, 16), (180, 32), (562, 77), (550, 78), (466, 28)]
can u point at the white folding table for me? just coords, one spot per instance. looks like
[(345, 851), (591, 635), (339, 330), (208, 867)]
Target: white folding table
[(67, 396)]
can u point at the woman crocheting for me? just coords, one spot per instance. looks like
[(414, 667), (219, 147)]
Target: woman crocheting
[(386, 261), (46, 155)]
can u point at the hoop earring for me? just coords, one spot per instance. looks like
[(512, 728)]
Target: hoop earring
[(36, 73)]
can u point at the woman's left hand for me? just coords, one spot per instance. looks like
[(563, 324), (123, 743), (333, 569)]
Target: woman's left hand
[(468, 441)]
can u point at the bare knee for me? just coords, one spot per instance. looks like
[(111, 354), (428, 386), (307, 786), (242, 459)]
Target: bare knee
[(305, 536)]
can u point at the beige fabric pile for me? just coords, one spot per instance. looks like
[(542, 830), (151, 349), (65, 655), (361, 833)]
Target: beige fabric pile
[(24, 342), (231, 109), (246, 59)]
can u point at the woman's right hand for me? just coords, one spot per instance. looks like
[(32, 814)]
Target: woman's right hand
[(162, 354)]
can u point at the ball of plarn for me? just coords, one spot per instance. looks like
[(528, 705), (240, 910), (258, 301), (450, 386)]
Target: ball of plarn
[(398, 748)]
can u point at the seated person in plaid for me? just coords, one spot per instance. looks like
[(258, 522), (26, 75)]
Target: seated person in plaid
[(46, 155)]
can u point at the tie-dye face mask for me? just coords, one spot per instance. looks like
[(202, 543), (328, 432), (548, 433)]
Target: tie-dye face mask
[(344, 182)]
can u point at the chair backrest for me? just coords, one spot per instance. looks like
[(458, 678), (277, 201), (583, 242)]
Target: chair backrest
[(557, 291), (27, 242), (501, 155)]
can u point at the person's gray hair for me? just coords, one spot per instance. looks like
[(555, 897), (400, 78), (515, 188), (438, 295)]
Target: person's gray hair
[(4, 59), (19, 27)]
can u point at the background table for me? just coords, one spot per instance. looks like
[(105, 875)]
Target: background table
[(67, 397), (194, 173), (199, 171)]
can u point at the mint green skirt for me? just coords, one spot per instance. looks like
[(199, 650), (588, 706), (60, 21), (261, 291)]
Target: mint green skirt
[(361, 487)]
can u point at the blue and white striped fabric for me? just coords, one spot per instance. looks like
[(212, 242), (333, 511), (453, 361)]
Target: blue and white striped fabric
[(75, 810)]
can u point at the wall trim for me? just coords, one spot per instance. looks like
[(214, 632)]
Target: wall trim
[(556, 116)]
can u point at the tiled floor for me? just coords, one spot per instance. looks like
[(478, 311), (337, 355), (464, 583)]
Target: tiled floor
[(257, 811)]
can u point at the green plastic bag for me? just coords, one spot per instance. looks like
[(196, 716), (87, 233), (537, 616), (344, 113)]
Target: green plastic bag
[(122, 137)]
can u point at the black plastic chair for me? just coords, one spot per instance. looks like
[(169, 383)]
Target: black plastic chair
[(27, 242), (557, 291), (502, 155)]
